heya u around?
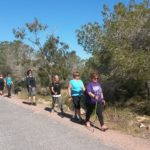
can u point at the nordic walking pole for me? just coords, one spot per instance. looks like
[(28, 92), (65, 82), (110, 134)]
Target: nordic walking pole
[(95, 116)]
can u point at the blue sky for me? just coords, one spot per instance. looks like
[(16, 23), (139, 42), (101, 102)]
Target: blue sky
[(62, 16)]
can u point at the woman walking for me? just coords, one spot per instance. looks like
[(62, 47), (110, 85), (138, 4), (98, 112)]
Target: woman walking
[(2, 83), (75, 90), (31, 85), (55, 89), (9, 83), (94, 100)]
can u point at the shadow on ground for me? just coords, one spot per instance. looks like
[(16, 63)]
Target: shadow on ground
[(66, 115), (27, 103)]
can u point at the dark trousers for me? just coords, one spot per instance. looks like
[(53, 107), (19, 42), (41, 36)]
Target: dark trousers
[(9, 90), (91, 108)]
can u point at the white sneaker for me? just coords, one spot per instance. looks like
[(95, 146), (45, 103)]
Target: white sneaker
[(75, 117), (80, 119), (52, 110)]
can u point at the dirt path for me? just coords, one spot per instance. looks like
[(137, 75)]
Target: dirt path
[(110, 137)]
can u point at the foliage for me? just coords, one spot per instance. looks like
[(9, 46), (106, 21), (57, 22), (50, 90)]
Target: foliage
[(120, 47), (15, 58), (52, 55)]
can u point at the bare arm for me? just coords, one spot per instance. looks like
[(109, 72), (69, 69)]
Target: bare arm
[(69, 89), (83, 88), (91, 95), (94, 96), (102, 96), (52, 89)]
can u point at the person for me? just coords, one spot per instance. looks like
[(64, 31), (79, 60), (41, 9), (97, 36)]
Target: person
[(94, 100), (2, 83), (75, 90), (9, 83), (55, 89), (31, 87)]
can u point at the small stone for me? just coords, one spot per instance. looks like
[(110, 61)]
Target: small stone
[(142, 125)]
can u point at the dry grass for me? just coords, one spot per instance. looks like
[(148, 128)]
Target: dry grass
[(125, 120)]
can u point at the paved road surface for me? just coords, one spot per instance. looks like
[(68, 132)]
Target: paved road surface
[(22, 129)]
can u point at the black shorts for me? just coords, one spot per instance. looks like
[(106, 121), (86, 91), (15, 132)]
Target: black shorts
[(76, 101)]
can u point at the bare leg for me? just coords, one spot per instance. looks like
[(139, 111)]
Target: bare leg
[(34, 100)]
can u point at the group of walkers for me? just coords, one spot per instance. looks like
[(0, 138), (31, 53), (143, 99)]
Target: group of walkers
[(92, 91), (93, 98), (6, 82)]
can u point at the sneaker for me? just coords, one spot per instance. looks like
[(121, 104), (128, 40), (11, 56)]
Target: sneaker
[(34, 104), (62, 114), (52, 110), (75, 117), (80, 119)]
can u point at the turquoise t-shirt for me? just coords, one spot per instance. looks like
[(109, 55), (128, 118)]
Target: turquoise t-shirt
[(8, 81), (76, 87)]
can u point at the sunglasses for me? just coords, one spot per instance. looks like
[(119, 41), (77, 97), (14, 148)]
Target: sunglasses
[(95, 78), (77, 75)]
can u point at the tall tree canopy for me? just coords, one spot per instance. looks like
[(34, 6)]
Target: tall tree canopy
[(120, 47), (15, 58), (51, 55)]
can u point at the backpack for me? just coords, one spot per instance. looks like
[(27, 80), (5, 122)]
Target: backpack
[(8, 81)]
